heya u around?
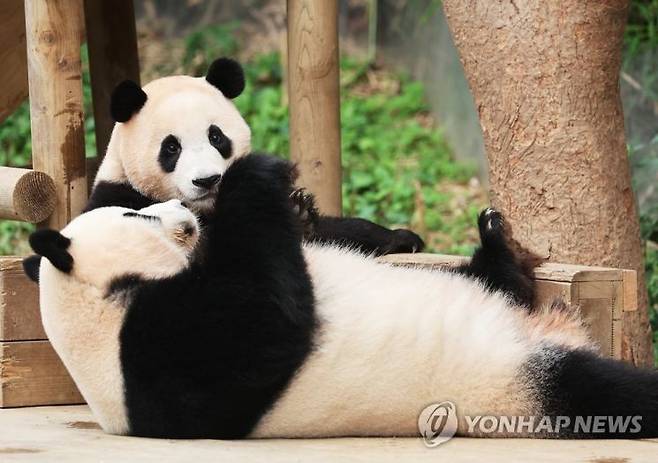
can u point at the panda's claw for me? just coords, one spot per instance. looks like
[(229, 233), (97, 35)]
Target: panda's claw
[(304, 206)]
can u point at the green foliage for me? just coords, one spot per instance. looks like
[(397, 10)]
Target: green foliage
[(642, 28)]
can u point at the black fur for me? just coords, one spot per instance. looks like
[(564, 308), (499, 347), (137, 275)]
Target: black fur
[(52, 245), (170, 150), (500, 263), (365, 236), (582, 383), (220, 142), (31, 265), (137, 215), (227, 75), (127, 99), (207, 352), (107, 194)]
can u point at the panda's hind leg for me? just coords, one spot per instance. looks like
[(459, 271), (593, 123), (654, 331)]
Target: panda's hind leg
[(500, 262)]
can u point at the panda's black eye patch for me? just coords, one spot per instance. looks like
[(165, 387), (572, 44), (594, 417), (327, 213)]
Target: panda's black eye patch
[(142, 216), (170, 150), (220, 141)]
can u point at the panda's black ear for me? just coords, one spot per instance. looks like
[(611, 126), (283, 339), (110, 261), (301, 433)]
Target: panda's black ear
[(52, 245), (31, 266), (227, 75), (127, 99)]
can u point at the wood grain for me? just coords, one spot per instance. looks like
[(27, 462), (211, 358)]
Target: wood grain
[(20, 318), (314, 94), (13, 56), (112, 42), (31, 374), (26, 194), (54, 34), (68, 434)]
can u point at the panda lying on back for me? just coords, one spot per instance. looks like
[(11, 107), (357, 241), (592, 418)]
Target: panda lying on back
[(175, 138), (248, 334)]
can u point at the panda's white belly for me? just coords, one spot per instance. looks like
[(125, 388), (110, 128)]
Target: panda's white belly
[(394, 340)]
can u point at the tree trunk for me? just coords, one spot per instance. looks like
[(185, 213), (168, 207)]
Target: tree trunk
[(545, 79)]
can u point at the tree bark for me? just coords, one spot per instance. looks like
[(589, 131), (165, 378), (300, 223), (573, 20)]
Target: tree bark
[(545, 79)]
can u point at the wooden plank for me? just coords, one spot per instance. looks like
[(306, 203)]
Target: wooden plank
[(547, 271), (54, 35), (31, 373), (314, 95), (69, 434), (13, 56), (26, 194), (629, 282), (20, 318), (112, 42)]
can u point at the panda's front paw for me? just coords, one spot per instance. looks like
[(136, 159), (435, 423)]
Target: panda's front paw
[(304, 206), (404, 241)]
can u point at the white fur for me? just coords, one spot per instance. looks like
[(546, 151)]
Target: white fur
[(393, 340), (185, 107), (81, 322)]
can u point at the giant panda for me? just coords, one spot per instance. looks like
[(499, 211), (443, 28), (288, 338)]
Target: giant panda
[(245, 332), (174, 139)]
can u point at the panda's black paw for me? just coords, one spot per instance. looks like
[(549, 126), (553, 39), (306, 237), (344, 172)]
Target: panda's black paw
[(491, 224), (304, 206), (404, 241)]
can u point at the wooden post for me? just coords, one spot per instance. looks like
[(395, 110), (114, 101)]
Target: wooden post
[(112, 45), (54, 31), (314, 93), (26, 195), (13, 78)]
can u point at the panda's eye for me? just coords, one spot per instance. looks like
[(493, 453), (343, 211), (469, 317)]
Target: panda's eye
[(220, 141), (170, 150), (214, 135)]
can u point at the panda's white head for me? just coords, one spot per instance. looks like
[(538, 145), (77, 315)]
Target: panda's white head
[(110, 242), (175, 137)]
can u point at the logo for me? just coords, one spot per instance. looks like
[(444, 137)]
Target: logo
[(437, 423)]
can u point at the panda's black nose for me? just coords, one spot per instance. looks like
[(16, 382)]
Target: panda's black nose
[(207, 182)]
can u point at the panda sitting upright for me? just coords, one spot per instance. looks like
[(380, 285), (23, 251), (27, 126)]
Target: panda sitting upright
[(248, 334), (175, 138)]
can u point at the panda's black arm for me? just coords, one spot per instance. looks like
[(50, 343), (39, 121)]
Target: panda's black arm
[(365, 236), (107, 194), (253, 222)]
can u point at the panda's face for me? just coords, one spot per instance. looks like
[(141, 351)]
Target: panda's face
[(181, 141), (111, 242)]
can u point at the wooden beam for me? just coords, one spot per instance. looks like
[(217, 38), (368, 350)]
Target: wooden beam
[(13, 76), (32, 374), (314, 93), (54, 35), (112, 44), (20, 318), (26, 195)]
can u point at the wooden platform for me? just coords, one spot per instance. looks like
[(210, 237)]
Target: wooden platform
[(69, 434)]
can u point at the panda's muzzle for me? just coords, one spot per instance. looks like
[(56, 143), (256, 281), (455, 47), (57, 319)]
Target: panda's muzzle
[(207, 183)]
